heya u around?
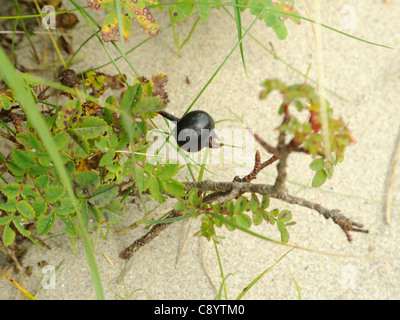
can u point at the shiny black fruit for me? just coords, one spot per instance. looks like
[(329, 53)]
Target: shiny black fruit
[(195, 131)]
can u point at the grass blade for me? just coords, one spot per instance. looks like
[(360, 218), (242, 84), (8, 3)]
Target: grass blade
[(238, 20), (245, 290), (15, 82)]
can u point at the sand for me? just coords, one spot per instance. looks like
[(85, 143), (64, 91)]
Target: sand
[(175, 267)]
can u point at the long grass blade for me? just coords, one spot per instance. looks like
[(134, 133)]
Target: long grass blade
[(15, 82), (238, 21)]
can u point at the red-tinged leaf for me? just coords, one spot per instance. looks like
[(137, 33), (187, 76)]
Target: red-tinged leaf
[(97, 4), (141, 13)]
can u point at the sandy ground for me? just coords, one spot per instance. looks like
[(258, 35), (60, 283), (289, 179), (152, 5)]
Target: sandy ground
[(368, 77)]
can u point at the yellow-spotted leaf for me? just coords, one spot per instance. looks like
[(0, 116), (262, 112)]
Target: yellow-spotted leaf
[(99, 4), (110, 30), (138, 10)]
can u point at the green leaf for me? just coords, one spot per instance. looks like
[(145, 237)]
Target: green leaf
[(45, 223), (265, 202), (42, 181), (183, 11), (319, 178), (5, 102), (66, 207), (25, 209), (30, 140), (131, 97), (85, 183), (257, 5), (166, 171), (8, 235), (107, 158), (151, 104), (258, 216), (280, 30), (40, 206), (284, 236), (254, 203), (204, 10), (155, 190), (10, 205), (29, 191), (243, 220), (19, 223), (104, 195), (240, 205), (69, 114), (53, 193), (281, 226), (317, 164), (271, 19), (4, 220), (285, 216), (21, 159), (77, 146), (91, 127), (15, 170), (11, 190), (69, 229), (112, 213), (328, 166), (175, 188)]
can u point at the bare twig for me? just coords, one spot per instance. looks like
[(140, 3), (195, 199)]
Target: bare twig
[(128, 252)]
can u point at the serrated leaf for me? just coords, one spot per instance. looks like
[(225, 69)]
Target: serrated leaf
[(131, 97), (11, 190), (25, 209), (4, 220), (53, 193), (39, 206), (15, 170), (319, 178), (29, 140), (69, 229), (155, 190), (151, 104), (175, 188), (22, 159), (66, 207), (107, 158), (19, 223), (91, 127), (112, 213), (5, 102), (104, 195), (8, 235), (77, 145), (69, 114), (85, 183), (42, 181), (166, 171), (29, 191), (10, 205), (45, 223), (143, 16)]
